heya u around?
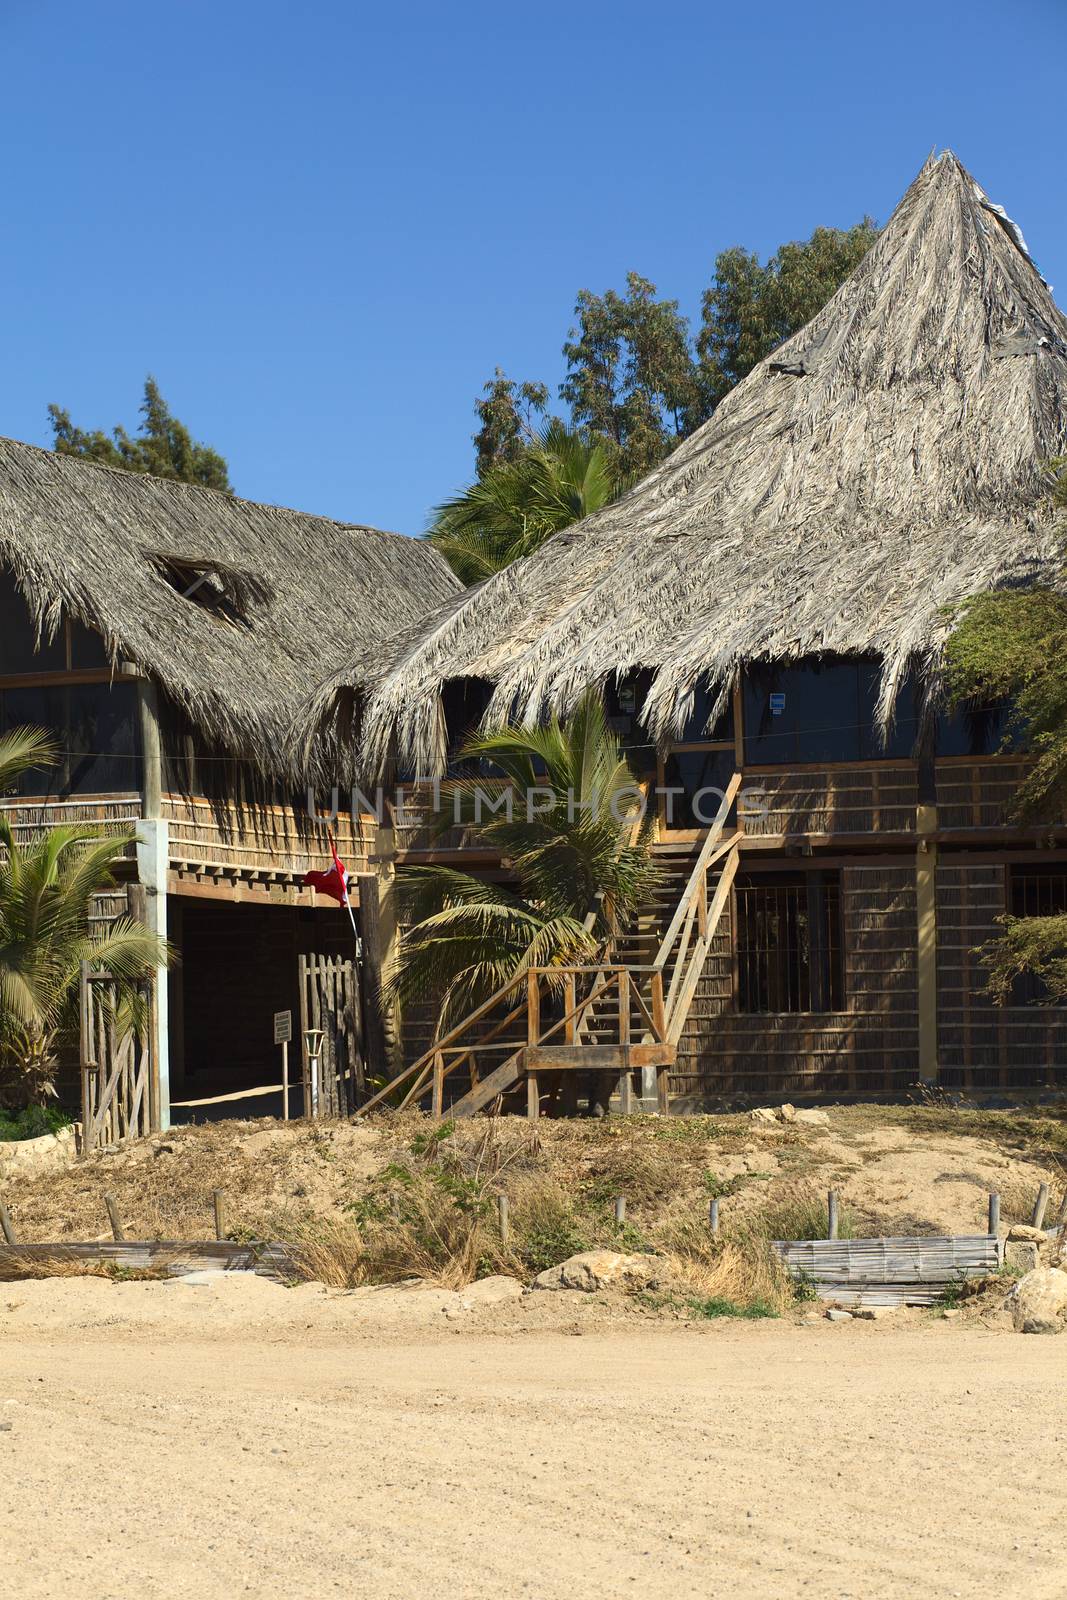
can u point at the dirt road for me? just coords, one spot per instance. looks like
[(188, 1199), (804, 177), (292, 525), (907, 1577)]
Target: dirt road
[(740, 1459)]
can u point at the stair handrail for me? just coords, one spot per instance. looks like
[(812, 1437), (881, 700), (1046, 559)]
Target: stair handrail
[(693, 909), (711, 850)]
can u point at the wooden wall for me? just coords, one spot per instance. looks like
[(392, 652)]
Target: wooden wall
[(871, 1046), (980, 1044)]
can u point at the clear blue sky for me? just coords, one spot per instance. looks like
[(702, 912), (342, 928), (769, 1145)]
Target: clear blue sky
[(322, 226)]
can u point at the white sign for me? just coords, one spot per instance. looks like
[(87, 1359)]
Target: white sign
[(283, 1027)]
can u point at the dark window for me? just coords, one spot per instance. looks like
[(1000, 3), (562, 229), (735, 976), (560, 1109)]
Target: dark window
[(624, 702), (18, 636), (1033, 893), (788, 942), (96, 728), (465, 702), (822, 711), (978, 731), (696, 729), (87, 648), (702, 776)]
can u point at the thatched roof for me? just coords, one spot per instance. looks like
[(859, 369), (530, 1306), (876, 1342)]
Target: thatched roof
[(886, 461), (236, 609)]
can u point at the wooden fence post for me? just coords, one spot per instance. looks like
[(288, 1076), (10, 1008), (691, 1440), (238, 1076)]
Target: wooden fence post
[(5, 1225), (620, 1210), (713, 1215), (831, 1214), (113, 1216), (218, 1200), (502, 1215), (1040, 1206), (994, 1214)]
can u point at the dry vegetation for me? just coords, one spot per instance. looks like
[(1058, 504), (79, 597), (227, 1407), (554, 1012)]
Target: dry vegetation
[(398, 1198)]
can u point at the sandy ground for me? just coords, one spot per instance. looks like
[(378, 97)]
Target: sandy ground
[(158, 1440)]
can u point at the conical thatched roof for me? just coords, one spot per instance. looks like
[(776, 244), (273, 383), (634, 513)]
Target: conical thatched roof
[(886, 461), (289, 597)]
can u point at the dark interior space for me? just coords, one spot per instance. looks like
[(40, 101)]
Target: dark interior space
[(238, 967)]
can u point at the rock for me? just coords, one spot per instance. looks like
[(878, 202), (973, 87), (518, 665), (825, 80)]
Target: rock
[(1039, 1301), (788, 1113), (834, 1315), (493, 1291), (1022, 1255), (950, 1316), (49, 1152), (1023, 1230), (597, 1269), (876, 1313), (813, 1117)]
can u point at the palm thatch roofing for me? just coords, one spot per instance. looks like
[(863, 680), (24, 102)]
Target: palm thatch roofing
[(886, 461), (235, 609)]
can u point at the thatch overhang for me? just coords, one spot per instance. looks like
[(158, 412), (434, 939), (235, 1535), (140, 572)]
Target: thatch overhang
[(884, 463), (235, 609)]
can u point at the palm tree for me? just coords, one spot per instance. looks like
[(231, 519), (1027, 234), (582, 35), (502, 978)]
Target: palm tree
[(578, 881), (514, 508), (46, 893)]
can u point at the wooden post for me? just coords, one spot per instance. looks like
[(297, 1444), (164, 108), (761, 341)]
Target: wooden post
[(994, 1215), (1040, 1206), (5, 1225), (926, 921), (831, 1214), (625, 1076), (569, 1003), (1061, 1220), (659, 1017), (370, 973), (116, 1221), (533, 1006), (285, 1081), (533, 1097), (713, 1215), (502, 1217), (620, 1210), (663, 1091), (438, 1102), (218, 1200)]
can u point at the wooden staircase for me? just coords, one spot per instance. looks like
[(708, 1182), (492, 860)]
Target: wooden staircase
[(624, 1014)]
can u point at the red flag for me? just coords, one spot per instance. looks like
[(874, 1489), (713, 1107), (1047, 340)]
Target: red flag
[(334, 883)]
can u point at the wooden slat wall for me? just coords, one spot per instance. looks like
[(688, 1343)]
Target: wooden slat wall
[(835, 800), (275, 838), (982, 1045), (872, 1046)]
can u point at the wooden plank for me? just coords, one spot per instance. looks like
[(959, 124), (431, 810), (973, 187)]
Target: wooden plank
[(599, 1057), (176, 1256)]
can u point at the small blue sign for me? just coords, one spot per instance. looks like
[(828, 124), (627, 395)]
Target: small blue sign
[(777, 704)]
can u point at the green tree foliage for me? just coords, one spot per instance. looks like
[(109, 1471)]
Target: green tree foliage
[(1011, 644), (163, 445), (750, 309), (631, 378), (506, 415), (517, 503), (467, 937), (46, 894)]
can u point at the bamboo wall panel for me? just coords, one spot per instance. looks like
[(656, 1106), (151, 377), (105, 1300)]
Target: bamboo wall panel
[(872, 1046), (835, 800), (30, 818), (982, 1045), (206, 835)]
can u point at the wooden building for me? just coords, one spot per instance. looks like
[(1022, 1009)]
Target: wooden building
[(766, 613), (169, 637)]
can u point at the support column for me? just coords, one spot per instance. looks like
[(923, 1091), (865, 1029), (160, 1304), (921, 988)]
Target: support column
[(153, 858), (926, 921), (383, 864)]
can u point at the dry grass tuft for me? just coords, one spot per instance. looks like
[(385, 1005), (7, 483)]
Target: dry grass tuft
[(19, 1269)]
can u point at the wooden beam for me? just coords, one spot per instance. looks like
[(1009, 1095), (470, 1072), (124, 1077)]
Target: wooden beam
[(598, 1057), (926, 922)]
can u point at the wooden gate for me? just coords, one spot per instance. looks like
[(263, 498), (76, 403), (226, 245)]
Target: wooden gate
[(330, 1002), (120, 1083)]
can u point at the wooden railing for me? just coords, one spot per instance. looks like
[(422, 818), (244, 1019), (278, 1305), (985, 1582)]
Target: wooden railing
[(684, 947), (512, 1026)]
